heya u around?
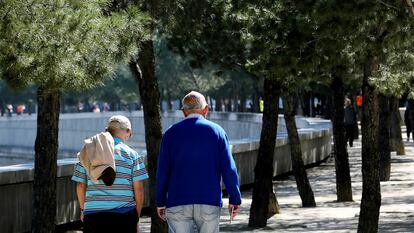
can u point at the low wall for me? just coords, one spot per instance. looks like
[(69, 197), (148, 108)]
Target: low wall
[(18, 133), (16, 181)]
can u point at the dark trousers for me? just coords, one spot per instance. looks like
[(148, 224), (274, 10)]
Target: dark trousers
[(409, 129), (349, 132), (107, 222)]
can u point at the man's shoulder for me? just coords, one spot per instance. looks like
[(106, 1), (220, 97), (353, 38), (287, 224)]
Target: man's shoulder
[(213, 125), (203, 122), (125, 149)]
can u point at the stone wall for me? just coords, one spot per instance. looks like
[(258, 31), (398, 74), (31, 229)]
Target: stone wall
[(17, 134), (16, 181), (17, 137)]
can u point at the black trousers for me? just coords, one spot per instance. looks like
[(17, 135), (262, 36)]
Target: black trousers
[(107, 222), (349, 132)]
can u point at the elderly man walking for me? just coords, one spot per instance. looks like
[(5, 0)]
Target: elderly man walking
[(113, 207), (194, 156)]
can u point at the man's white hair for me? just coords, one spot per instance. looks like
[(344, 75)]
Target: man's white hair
[(118, 122), (194, 100)]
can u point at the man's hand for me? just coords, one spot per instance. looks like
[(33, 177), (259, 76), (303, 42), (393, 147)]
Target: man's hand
[(161, 213), (81, 215), (233, 210)]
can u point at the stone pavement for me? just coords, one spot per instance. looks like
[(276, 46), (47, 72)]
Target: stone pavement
[(397, 210)]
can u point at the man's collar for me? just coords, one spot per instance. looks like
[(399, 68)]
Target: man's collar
[(194, 115), (117, 140)]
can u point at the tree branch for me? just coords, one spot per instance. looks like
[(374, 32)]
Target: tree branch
[(410, 6), (389, 5)]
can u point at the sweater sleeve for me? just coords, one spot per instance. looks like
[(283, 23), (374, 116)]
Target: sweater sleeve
[(163, 173), (229, 171)]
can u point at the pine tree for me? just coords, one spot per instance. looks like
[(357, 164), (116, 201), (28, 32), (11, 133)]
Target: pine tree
[(61, 45)]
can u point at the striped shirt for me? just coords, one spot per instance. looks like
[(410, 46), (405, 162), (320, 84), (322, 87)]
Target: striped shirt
[(118, 197)]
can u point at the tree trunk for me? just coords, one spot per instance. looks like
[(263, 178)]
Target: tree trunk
[(46, 152), (256, 97), (384, 148), (144, 72), (218, 104), (242, 103), (161, 91), (371, 190), (342, 171), (396, 141), (264, 199), (169, 99), (299, 170)]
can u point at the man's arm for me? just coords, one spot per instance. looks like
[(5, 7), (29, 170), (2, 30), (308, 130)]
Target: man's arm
[(139, 195), (80, 177), (229, 174), (163, 174), (80, 192)]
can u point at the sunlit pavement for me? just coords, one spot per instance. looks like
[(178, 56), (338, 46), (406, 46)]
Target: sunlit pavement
[(397, 210)]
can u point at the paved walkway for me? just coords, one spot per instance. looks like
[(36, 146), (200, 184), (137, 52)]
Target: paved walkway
[(397, 210)]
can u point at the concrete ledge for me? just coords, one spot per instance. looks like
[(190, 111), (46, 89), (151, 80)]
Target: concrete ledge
[(75, 127), (16, 182)]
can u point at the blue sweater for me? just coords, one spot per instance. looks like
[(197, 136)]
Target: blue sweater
[(194, 156)]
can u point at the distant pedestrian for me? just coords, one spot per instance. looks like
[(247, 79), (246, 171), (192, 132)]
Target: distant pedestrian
[(261, 104), (194, 157), (407, 122), (114, 208), (359, 104), (409, 118), (9, 109), (350, 119), (2, 111)]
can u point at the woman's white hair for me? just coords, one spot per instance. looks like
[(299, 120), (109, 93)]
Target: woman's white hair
[(194, 100)]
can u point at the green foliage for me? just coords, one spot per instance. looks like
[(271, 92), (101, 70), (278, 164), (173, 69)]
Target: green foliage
[(396, 76), (179, 74), (13, 96), (121, 88), (298, 41), (65, 44)]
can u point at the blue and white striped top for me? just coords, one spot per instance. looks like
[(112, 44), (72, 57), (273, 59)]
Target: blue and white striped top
[(118, 197)]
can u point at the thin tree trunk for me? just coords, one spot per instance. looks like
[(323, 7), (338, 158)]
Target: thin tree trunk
[(242, 102), (218, 104), (161, 99), (342, 171), (144, 72), (169, 99), (46, 152), (256, 97), (396, 141), (264, 203), (371, 190), (384, 148), (299, 170)]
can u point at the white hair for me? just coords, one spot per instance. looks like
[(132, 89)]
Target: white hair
[(118, 122), (194, 100)]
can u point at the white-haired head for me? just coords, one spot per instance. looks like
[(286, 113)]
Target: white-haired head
[(193, 101), (118, 122), (119, 126)]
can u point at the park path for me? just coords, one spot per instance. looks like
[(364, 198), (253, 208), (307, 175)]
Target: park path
[(397, 210)]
